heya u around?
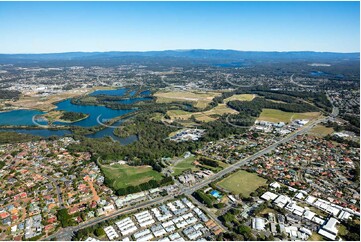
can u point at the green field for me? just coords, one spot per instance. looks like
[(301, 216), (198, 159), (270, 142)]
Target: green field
[(321, 131), (240, 97), (185, 164), (123, 175), (200, 99), (274, 115), (157, 116), (205, 116), (242, 182)]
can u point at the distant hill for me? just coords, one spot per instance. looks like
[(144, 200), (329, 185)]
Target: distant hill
[(193, 55)]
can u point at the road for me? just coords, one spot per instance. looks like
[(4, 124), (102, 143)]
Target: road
[(335, 110), (66, 233), (297, 84), (209, 212), (237, 165), (55, 184), (234, 84)]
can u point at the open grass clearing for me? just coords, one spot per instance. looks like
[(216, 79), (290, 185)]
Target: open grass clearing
[(200, 99), (221, 166), (122, 176), (206, 116), (274, 115), (185, 164), (275, 101), (157, 116), (240, 97), (267, 211), (321, 131), (242, 182), (315, 237), (31, 100)]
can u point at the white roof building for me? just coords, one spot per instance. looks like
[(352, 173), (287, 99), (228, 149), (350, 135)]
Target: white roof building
[(300, 195), (174, 236), (111, 234), (146, 237), (275, 185), (344, 215), (318, 220), (330, 226), (327, 234), (308, 214), (298, 210), (258, 223), (281, 201), (292, 231), (269, 196), (310, 199), (141, 233), (306, 231)]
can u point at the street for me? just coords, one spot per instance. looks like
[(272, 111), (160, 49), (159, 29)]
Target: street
[(66, 233)]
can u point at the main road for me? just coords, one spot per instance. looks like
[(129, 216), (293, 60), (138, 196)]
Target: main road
[(66, 233)]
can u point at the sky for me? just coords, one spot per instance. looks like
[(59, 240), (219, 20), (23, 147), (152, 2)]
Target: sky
[(52, 27)]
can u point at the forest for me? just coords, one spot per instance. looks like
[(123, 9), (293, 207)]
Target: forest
[(72, 116), (9, 94)]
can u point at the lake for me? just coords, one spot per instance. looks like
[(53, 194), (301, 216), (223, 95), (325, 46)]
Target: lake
[(18, 117), (96, 114), (116, 92)]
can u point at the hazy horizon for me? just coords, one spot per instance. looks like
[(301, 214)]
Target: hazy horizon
[(180, 50)]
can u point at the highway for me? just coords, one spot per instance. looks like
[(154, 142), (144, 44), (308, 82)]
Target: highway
[(234, 84), (66, 233), (240, 163), (300, 85)]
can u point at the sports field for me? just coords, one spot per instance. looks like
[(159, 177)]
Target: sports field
[(274, 115), (242, 182), (200, 99), (123, 175)]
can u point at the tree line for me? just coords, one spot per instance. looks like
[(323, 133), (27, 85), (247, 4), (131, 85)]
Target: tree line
[(141, 187)]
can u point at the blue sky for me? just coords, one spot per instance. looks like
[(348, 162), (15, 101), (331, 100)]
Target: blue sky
[(46, 27)]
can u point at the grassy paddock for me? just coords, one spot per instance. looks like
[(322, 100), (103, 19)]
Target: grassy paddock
[(240, 97), (200, 99), (123, 175), (274, 115), (242, 182), (321, 131), (47, 103), (185, 164), (201, 116)]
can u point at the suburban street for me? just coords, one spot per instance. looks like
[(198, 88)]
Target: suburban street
[(66, 233)]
